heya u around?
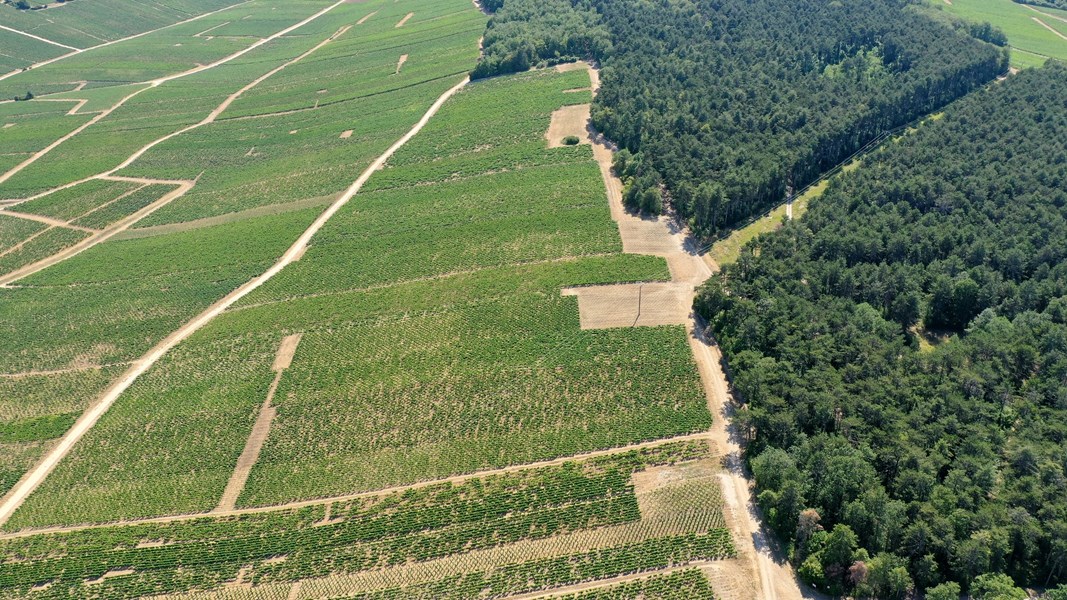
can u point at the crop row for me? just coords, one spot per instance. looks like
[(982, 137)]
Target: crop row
[(124, 207), (687, 584), (655, 553), (419, 524)]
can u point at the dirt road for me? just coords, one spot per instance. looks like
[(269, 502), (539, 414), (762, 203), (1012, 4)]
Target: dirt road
[(660, 237)]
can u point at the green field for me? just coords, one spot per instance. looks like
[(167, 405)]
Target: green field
[(1031, 43)]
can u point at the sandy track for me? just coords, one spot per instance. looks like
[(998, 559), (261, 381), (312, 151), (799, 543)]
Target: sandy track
[(660, 237), (39, 38), (405, 19), (46, 220), (258, 436), (35, 476), (118, 41), (364, 19), (454, 479), (1049, 27), (102, 235), (157, 82)]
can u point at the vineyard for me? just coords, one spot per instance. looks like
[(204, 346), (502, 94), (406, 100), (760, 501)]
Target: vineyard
[(542, 514), (445, 428)]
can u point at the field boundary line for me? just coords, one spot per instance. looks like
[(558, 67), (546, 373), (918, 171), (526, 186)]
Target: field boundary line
[(101, 235), (59, 371), (137, 35), (1049, 27), (516, 468), (424, 279), (46, 220), (80, 102), (41, 39), (33, 478)]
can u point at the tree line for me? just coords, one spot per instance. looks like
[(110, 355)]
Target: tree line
[(728, 105), (887, 465)]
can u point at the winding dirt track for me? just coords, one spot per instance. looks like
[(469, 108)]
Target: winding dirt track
[(33, 478)]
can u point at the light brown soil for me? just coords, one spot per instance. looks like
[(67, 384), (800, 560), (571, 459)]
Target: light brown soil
[(632, 305), (567, 121), (285, 352), (405, 19), (399, 63), (364, 19), (346, 134)]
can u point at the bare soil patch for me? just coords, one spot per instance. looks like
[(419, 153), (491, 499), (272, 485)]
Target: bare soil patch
[(632, 305), (399, 63), (267, 411), (405, 19), (570, 120), (364, 19), (346, 134)]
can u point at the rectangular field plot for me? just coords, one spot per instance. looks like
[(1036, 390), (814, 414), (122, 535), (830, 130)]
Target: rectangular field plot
[(523, 531)]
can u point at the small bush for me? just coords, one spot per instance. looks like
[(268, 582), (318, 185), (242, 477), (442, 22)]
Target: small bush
[(571, 140)]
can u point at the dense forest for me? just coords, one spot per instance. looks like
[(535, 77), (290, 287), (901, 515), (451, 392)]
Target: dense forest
[(727, 105), (527, 33), (890, 465)]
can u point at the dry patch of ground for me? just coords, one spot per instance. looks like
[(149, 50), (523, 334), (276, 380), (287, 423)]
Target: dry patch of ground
[(346, 134), (399, 63), (632, 305), (568, 121), (405, 19), (364, 19)]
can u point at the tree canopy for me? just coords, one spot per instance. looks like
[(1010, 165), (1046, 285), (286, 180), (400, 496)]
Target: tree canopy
[(889, 466)]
